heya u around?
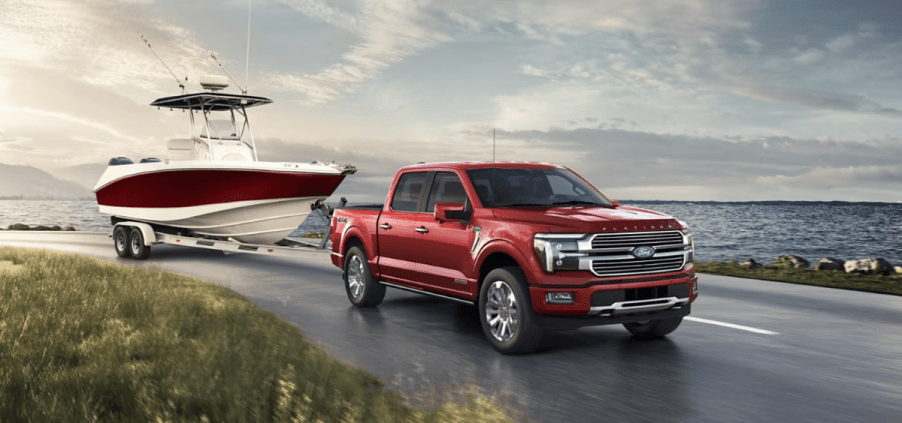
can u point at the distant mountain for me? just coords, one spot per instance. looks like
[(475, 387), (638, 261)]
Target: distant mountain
[(32, 183), (86, 174)]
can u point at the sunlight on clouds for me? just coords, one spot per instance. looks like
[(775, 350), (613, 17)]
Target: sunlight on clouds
[(97, 41), (72, 119)]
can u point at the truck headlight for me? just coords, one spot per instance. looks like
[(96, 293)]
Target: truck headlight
[(558, 251), (687, 236)]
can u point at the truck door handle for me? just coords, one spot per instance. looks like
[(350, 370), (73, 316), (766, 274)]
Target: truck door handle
[(422, 230), (385, 226)]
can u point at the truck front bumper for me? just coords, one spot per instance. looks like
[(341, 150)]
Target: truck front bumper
[(555, 323)]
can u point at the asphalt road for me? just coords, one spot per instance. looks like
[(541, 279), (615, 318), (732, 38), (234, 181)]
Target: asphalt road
[(752, 351)]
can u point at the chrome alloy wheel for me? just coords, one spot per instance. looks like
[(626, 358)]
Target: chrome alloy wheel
[(502, 311), (356, 274)]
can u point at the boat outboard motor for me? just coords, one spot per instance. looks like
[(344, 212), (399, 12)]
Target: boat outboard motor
[(116, 161), (150, 160)]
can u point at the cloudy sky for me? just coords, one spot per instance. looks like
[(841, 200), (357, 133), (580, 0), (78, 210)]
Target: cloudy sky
[(648, 99)]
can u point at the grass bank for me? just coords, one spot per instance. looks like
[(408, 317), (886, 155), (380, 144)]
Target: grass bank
[(86, 340), (828, 278)]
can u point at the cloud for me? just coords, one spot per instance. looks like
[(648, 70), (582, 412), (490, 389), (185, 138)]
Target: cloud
[(831, 177), (808, 57), (98, 42), (390, 32), (815, 99), (640, 165)]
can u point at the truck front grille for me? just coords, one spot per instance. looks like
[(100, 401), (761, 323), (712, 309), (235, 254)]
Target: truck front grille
[(634, 266), (653, 239), (612, 253)]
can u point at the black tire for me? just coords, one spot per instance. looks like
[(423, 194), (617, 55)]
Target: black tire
[(363, 290), (136, 247), (506, 314), (654, 328), (120, 241)]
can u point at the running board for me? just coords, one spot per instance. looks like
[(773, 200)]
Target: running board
[(420, 291)]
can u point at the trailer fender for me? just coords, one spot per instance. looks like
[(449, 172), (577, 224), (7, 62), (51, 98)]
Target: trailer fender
[(149, 236)]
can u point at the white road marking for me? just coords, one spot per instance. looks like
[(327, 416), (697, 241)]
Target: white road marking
[(730, 325)]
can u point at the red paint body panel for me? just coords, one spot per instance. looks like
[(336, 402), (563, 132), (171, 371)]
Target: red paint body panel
[(187, 188), (449, 258)]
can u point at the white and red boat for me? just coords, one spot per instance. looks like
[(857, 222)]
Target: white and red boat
[(212, 184)]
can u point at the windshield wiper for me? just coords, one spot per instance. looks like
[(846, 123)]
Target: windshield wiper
[(576, 203), (523, 205)]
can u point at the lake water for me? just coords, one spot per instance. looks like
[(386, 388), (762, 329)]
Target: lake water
[(723, 231)]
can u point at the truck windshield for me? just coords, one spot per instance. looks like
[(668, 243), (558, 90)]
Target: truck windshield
[(498, 187)]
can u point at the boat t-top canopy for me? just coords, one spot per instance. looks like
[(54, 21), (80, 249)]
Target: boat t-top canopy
[(210, 101)]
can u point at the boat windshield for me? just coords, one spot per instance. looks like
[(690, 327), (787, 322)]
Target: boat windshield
[(221, 129), (555, 187)]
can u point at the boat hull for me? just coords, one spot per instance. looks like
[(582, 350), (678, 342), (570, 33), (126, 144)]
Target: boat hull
[(255, 203)]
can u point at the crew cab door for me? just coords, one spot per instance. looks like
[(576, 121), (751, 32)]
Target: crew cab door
[(418, 251), (396, 229), (444, 247)]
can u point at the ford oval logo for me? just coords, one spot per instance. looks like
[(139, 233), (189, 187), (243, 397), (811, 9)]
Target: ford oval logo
[(643, 252)]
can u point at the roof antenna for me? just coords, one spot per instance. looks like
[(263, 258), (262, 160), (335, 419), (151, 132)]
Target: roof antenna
[(215, 59), (493, 145), (182, 86)]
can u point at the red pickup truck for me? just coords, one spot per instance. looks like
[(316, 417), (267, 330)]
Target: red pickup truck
[(534, 246)]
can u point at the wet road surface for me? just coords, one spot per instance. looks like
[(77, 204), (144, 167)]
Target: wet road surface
[(751, 350)]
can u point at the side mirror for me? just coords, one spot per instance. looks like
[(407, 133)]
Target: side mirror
[(615, 203), (451, 211)]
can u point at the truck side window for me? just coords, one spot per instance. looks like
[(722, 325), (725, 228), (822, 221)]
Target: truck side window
[(408, 191), (446, 188)]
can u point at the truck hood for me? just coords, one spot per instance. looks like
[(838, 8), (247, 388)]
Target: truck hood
[(590, 219)]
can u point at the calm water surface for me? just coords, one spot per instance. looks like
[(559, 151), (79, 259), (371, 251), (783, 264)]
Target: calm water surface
[(723, 231)]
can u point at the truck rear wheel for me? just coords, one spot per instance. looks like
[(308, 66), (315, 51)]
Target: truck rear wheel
[(363, 290), (506, 314), (653, 328), (120, 241)]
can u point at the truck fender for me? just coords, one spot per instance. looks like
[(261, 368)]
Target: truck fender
[(498, 246), (350, 231), (149, 236)]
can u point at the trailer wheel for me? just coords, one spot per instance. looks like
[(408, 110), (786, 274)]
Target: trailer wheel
[(136, 247), (120, 241), (363, 290), (653, 328)]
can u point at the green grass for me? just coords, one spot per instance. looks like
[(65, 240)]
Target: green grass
[(828, 278), (87, 340)]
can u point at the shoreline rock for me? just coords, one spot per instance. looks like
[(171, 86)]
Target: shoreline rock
[(789, 260), (829, 263), (876, 266)]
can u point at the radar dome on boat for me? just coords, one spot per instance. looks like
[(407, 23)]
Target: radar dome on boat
[(214, 82)]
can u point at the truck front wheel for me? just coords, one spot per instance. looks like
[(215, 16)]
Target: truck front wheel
[(505, 312), (653, 328), (363, 290)]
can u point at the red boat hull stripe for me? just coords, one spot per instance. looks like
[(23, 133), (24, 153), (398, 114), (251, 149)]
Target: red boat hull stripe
[(188, 188)]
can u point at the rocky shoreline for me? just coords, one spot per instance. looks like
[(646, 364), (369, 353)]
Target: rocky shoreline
[(23, 227), (868, 266)]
